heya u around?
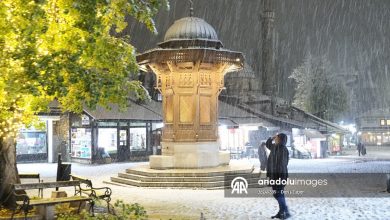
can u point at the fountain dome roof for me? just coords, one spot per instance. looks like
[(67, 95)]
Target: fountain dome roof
[(190, 28), (191, 39)]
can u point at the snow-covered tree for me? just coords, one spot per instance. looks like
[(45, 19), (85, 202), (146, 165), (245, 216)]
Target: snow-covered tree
[(319, 90)]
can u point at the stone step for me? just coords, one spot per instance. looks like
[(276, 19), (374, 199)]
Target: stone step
[(205, 178), (126, 181), (170, 179), (135, 185), (185, 173), (181, 179), (168, 182)]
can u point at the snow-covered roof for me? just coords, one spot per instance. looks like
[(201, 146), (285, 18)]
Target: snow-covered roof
[(382, 112), (133, 112), (246, 72)]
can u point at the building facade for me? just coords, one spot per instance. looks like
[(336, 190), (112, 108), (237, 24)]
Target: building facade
[(373, 127)]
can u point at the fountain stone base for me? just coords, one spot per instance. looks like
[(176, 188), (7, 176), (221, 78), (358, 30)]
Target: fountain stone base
[(189, 155)]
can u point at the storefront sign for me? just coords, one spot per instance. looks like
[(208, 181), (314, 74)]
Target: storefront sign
[(81, 143), (84, 120)]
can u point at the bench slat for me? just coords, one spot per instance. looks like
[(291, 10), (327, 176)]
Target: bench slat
[(81, 179), (75, 177), (53, 201), (29, 175), (27, 186)]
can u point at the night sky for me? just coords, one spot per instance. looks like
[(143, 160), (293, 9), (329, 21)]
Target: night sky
[(353, 34)]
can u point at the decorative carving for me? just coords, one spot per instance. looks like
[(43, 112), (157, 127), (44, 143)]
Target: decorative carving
[(167, 81), (168, 108), (205, 79), (205, 109), (159, 83), (186, 80), (206, 127), (186, 108), (186, 126), (168, 132)]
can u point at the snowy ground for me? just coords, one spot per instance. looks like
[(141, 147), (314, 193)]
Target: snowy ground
[(188, 204)]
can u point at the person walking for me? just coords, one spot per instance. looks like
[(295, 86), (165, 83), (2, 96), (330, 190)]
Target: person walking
[(277, 170), (262, 156), (359, 148), (364, 150)]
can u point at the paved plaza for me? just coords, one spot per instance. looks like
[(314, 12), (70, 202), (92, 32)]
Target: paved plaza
[(190, 203)]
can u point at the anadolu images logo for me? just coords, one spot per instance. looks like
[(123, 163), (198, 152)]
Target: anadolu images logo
[(239, 185)]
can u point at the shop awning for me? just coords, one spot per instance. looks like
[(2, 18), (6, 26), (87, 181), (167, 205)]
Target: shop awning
[(227, 122), (252, 121), (313, 133), (230, 111), (133, 112), (240, 116)]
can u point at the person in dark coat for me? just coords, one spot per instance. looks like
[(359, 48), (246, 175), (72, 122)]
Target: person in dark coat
[(277, 169), (262, 156), (364, 151), (359, 148)]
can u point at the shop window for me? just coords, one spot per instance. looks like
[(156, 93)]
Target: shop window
[(137, 124), (383, 122), (31, 142), (388, 122), (386, 137), (159, 97), (123, 124), (107, 124), (122, 137), (137, 139), (107, 139), (81, 143)]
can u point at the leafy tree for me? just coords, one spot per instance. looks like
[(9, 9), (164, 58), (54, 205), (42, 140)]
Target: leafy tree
[(319, 90), (63, 50)]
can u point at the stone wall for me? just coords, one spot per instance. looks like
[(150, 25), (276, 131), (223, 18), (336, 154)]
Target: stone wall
[(61, 138)]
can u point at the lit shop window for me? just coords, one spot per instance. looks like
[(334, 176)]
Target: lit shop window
[(31, 142), (383, 122), (137, 139), (107, 139)]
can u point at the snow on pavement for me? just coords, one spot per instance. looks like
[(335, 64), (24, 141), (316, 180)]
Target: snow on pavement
[(188, 203)]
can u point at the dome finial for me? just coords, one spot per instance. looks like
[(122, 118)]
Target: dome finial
[(191, 8)]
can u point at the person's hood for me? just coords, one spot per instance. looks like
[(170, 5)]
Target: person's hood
[(283, 139)]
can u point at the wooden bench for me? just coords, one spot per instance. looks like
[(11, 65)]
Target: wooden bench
[(25, 203), (103, 193), (32, 176)]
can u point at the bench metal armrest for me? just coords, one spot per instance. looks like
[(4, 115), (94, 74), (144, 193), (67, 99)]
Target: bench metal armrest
[(24, 198), (107, 192)]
